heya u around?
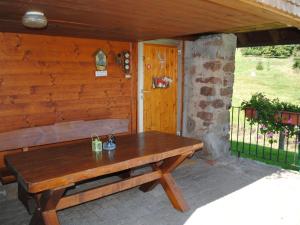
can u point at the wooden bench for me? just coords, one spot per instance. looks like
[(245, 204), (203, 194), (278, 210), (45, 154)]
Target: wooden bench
[(43, 137)]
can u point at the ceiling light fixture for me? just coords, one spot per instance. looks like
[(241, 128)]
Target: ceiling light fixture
[(34, 19)]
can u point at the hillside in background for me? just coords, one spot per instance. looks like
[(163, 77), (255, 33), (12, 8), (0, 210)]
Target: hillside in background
[(277, 79)]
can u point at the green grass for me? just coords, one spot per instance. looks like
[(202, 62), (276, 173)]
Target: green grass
[(284, 159), (276, 80)]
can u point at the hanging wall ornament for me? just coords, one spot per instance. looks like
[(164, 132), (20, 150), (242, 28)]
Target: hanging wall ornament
[(161, 82)]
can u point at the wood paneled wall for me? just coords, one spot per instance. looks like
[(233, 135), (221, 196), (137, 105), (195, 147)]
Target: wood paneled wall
[(46, 80)]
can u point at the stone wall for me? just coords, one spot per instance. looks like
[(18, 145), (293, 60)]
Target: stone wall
[(209, 76)]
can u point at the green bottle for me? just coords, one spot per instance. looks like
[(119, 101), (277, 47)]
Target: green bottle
[(96, 144)]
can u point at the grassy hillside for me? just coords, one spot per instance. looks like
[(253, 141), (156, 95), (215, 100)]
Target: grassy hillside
[(276, 80)]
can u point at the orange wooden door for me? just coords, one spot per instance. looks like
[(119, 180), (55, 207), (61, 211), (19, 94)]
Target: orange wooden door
[(160, 105)]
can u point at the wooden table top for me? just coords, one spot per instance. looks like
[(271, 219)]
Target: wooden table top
[(64, 166)]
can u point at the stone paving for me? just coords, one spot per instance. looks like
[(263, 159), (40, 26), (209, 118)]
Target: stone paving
[(200, 182)]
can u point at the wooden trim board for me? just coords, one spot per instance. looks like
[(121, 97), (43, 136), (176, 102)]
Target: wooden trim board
[(105, 190)]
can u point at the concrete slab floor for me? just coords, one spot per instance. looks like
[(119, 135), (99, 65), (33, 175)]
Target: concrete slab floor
[(231, 192)]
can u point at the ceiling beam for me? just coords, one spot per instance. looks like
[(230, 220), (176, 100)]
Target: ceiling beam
[(285, 36)]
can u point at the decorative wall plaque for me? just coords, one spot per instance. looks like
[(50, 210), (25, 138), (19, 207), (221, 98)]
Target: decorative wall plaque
[(101, 60)]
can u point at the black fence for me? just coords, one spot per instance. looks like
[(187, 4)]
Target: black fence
[(249, 140)]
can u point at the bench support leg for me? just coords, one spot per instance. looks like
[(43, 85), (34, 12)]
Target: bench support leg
[(27, 199)]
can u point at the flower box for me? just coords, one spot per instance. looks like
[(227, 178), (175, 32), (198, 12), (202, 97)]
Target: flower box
[(250, 113), (285, 117), (288, 118)]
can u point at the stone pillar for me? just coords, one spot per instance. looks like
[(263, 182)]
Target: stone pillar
[(209, 76)]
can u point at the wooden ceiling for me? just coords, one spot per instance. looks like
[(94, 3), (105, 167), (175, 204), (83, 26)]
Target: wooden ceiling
[(139, 19)]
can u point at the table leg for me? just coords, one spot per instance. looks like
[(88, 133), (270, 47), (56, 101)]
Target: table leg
[(45, 213), (37, 218), (167, 166), (174, 193), (168, 183)]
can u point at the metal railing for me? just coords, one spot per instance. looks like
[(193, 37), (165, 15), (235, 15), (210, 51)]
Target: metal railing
[(249, 141)]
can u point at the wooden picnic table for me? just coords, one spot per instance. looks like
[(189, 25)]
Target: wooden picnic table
[(48, 173)]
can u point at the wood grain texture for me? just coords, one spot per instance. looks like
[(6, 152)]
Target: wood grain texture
[(160, 105), (47, 185), (167, 181), (105, 190), (173, 192), (63, 166), (137, 20), (46, 80), (261, 10), (61, 132), (134, 85)]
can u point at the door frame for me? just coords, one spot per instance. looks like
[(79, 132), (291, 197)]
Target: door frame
[(180, 77)]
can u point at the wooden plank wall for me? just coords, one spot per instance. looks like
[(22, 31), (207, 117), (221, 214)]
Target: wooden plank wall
[(46, 80)]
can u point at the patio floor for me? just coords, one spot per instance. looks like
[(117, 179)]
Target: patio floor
[(230, 192)]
